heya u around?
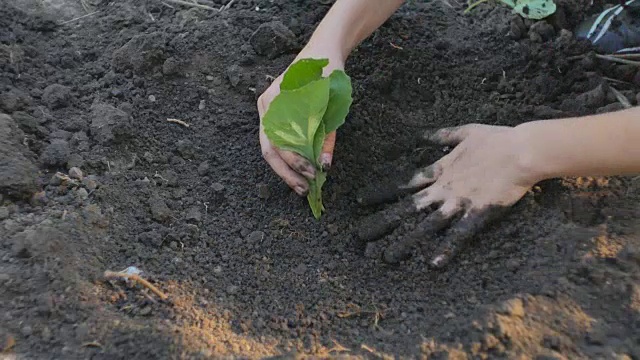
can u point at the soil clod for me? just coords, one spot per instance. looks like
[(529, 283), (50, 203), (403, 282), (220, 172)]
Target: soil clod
[(273, 39)]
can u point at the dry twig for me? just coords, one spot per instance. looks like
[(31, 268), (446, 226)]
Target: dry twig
[(79, 17), (626, 56), (179, 122), (621, 98), (618, 60), (337, 347), (374, 352), (226, 7), (133, 277), (616, 80), (186, 3)]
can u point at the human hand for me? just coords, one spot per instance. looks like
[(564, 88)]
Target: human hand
[(488, 170), (291, 167)]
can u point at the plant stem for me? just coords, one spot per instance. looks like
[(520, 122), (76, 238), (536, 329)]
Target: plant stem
[(474, 5), (315, 193)]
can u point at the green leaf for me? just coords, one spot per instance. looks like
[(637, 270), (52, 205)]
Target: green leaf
[(535, 9), (339, 101), (293, 117), (315, 194), (303, 72), (318, 141), (306, 109)]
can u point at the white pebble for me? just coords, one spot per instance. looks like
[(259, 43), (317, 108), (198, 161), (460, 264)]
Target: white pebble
[(152, 98)]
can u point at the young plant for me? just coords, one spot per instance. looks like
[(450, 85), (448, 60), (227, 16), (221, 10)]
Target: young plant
[(530, 9), (308, 108)]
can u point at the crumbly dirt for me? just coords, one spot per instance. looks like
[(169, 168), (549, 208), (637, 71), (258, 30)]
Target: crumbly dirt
[(248, 271)]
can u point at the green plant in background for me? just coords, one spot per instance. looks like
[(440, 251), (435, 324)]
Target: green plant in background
[(530, 9), (308, 108)]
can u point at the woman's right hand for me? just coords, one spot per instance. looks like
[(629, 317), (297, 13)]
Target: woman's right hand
[(291, 167)]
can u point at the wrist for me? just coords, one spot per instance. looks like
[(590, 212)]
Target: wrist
[(534, 164), (329, 52), (541, 156)]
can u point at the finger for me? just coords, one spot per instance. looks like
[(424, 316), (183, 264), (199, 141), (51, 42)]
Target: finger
[(426, 176), (435, 222), (298, 163), (461, 233), (326, 157), (448, 136), (385, 192), (382, 223), (425, 198), (295, 181)]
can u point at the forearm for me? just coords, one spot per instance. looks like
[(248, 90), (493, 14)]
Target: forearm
[(348, 23), (598, 145)]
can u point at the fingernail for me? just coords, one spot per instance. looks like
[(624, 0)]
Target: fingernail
[(325, 161), (300, 190), (309, 173)]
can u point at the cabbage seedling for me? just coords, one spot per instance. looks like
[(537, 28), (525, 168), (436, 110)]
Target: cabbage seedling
[(308, 108)]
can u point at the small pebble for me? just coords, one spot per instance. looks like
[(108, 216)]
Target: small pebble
[(209, 78), (203, 168), (56, 179), (145, 311), (201, 106), (152, 98), (26, 331), (232, 289), (513, 264), (255, 237), (91, 185), (300, 269), (217, 187), (75, 173), (82, 194), (513, 307), (263, 191), (217, 269)]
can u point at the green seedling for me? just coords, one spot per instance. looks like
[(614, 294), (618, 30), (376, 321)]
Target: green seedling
[(308, 108), (530, 9)]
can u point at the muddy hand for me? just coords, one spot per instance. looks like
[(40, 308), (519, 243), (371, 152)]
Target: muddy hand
[(484, 174), (291, 167)]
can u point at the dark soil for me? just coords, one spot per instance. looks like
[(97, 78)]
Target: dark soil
[(248, 270)]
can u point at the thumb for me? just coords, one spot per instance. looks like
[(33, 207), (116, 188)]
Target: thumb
[(326, 157)]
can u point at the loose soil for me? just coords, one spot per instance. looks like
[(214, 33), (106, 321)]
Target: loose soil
[(248, 271)]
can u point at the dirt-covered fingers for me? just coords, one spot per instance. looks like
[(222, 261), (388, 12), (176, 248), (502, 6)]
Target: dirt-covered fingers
[(450, 136), (298, 163), (435, 222), (460, 234), (382, 223), (295, 180), (425, 176)]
